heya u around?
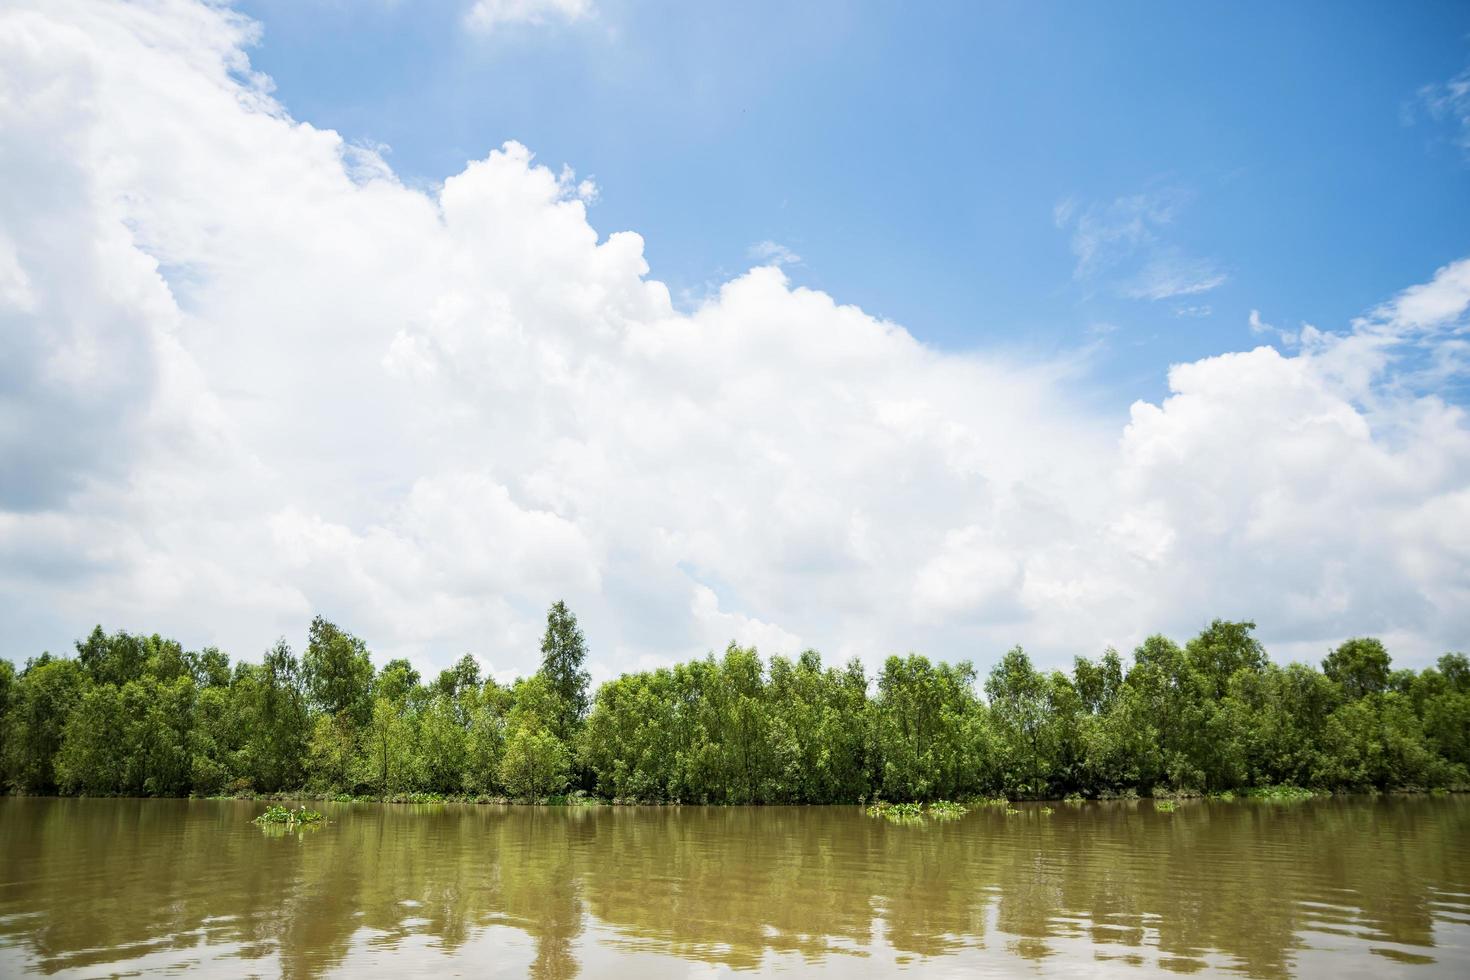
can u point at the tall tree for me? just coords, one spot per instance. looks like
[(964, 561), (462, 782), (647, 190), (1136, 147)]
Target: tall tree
[(563, 664), (338, 672), (1360, 665)]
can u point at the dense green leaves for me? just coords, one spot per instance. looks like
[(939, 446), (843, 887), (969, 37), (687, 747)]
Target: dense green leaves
[(563, 664), (139, 715)]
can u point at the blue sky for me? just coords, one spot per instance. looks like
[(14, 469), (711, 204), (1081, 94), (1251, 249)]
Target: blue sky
[(877, 327), (913, 157)]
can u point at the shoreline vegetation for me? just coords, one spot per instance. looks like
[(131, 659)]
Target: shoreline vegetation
[(134, 715)]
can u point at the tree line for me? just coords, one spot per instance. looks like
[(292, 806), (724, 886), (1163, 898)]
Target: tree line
[(141, 716)]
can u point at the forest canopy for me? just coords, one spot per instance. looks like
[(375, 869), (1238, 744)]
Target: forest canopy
[(140, 715)]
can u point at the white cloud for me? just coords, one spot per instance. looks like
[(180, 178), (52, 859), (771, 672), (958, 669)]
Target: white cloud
[(772, 253), (1450, 102), (247, 375), (487, 15), (1124, 243), (1170, 274)]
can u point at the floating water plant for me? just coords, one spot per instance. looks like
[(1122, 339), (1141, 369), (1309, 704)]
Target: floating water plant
[(896, 811), (1047, 811), (1072, 799), (1280, 794), (1165, 806), (277, 814), (999, 802), (946, 809)]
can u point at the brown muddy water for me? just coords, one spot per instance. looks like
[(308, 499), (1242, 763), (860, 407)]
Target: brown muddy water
[(1366, 887)]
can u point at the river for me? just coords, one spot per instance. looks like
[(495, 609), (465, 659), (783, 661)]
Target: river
[(1338, 887)]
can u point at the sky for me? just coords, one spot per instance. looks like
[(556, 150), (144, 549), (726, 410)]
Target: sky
[(862, 327)]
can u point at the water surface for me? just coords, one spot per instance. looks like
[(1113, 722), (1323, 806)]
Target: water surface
[(1327, 887)]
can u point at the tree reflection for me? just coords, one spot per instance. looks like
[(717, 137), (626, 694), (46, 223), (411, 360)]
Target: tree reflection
[(1247, 886)]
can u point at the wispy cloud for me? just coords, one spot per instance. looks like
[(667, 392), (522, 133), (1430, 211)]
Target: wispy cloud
[(1170, 273), (1124, 243), (1448, 102), (772, 253), (487, 15)]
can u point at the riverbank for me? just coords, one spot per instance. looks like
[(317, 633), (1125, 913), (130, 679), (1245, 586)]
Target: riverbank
[(1279, 794)]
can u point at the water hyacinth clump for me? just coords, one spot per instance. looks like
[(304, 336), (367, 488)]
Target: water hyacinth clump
[(277, 814), (896, 812), (1165, 806), (1280, 794), (945, 809)]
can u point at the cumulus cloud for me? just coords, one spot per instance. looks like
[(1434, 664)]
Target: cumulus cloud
[(248, 375), (487, 15)]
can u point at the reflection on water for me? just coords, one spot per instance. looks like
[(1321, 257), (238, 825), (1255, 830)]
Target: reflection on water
[(1326, 887)]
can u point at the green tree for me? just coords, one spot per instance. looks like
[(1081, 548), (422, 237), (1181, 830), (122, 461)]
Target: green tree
[(387, 762), (397, 681), (563, 664), (93, 754), (7, 698), (485, 743), (276, 720), (332, 754), (1018, 707), (114, 659), (535, 764), (45, 694), (338, 672), (1360, 665), (443, 745), (930, 732)]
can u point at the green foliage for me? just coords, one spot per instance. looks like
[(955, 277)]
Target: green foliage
[(947, 809), (1279, 794), (277, 814), (387, 761), (338, 672), (563, 664), (1165, 806), (140, 715), (46, 693), (485, 741), (1359, 666), (897, 812), (535, 764), (930, 733)]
